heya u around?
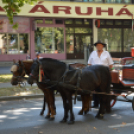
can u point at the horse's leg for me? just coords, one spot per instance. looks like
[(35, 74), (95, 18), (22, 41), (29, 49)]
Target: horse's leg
[(72, 118), (81, 111), (66, 109), (48, 104), (44, 105), (101, 111), (87, 103), (49, 110), (108, 107), (52, 104)]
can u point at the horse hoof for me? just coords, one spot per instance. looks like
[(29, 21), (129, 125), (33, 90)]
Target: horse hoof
[(70, 122), (47, 116), (85, 112), (80, 113), (42, 113), (100, 116), (63, 121), (51, 118)]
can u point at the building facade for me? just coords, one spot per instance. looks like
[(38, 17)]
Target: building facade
[(66, 30)]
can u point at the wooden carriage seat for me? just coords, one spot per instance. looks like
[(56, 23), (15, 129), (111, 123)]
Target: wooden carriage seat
[(127, 75), (115, 76), (128, 72)]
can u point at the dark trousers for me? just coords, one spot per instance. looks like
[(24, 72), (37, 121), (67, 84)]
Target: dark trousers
[(96, 100)]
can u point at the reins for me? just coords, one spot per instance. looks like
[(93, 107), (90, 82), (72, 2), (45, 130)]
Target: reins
[(78, 72)]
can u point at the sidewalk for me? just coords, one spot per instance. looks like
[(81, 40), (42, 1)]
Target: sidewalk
[(8, 98), (7, 85)]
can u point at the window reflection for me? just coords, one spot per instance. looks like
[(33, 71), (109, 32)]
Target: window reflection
[(128, 40), (70, 43), (13, 44), (112, 37), (49, 40), (23, 42), (3, 44)]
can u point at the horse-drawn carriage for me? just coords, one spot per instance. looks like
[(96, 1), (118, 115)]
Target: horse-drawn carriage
[(122, 80)]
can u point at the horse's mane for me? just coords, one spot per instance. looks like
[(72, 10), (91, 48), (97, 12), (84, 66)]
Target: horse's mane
[(52, 60), (28, 61)]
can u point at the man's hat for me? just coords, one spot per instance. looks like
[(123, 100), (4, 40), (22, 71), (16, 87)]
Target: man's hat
[(99, 42)]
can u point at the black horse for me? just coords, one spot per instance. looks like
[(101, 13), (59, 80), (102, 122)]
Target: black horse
[(92, 78)]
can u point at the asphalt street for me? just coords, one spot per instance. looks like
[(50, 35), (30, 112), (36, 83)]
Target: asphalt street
[(22, 117), (5, 70)]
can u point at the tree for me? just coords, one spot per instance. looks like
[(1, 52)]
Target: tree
[(12, 8)]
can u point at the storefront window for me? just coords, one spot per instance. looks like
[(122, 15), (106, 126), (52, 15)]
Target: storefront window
[(23, 42), (13, 44), (48, 21), (87, 22), (70, 43), (78, 21), (83, 30), (49, 40), (127, 22), (69, 30), (68, 21), (117, 22), (109, 22), (40, 21), (3, 44), (128, 40), (112, 37), (127, 1)]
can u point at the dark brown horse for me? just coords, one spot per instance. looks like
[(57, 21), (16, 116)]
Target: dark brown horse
[(65, 79), (23, 68), (86, 99)]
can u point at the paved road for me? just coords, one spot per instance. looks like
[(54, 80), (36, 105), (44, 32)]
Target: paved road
[(22, 117), (5, 70)]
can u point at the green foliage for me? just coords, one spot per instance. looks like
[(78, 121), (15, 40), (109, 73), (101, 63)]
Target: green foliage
[(12, 8)]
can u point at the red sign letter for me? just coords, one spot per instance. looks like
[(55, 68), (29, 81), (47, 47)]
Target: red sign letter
[(1, 9), (78, 11), (66, 9), (36, 9), (124, 11), (99, 11)]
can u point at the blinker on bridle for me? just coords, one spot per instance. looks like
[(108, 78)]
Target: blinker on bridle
[(21, 73)]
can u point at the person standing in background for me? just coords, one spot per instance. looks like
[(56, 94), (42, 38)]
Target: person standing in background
[(100, 57)]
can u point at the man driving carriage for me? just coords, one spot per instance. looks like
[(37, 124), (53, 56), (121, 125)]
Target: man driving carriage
[(101, 57)]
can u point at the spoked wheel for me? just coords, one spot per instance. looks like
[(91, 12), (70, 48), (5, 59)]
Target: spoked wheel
[(113, 101)]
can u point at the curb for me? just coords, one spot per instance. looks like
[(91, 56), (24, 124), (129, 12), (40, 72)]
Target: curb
[(8, 98)]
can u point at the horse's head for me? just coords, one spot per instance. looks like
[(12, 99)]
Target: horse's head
[(34, 76), (18, 72)]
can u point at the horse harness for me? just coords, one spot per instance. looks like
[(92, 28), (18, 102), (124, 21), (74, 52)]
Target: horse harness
[(21, 72), (78, 73)]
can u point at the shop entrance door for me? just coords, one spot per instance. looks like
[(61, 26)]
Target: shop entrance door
[(76, 44)]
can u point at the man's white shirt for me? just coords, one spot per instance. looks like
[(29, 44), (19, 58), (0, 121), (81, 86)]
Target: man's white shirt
[(104, 59)]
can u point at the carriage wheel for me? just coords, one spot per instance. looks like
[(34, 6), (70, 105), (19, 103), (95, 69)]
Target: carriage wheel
[(113, 101), (133, 103)]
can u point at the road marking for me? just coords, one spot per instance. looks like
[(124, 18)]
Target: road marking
[(121, 125)]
